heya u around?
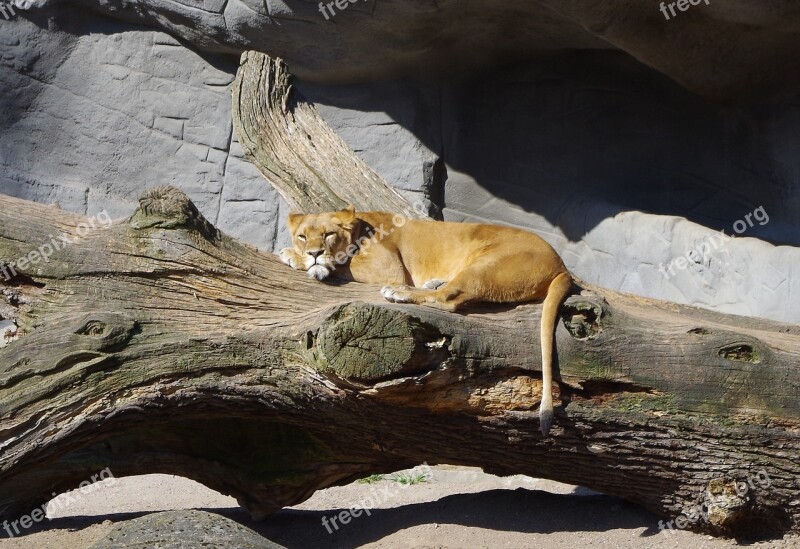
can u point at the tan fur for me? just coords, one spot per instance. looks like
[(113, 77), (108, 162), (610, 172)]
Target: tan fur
[(436, 263)]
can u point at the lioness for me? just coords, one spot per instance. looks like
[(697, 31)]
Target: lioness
[(436, 263)]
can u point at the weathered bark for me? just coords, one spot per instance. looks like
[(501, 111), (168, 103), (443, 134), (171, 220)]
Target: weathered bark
[(161, 345), (292, 146)]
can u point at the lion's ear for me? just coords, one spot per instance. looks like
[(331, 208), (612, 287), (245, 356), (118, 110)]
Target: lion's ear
[(294, 221), (347, 216)]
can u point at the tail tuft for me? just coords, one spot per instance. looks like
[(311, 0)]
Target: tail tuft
[(545, 419)]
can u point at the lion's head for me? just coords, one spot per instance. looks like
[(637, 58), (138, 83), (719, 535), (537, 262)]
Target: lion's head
[(322, 240)]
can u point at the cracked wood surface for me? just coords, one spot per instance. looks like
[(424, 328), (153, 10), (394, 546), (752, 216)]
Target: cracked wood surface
[(275, 125), (162, 345)]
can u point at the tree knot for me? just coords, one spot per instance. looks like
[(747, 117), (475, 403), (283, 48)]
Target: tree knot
[(582, 316), (82, 343), (169, 208)]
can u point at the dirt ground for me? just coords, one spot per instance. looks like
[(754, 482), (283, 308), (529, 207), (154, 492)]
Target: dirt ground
[(453, 508)]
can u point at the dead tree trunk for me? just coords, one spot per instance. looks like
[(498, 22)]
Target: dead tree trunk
[(293, 147), (161, 345)]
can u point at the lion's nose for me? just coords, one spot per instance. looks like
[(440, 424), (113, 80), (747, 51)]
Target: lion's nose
[(315, 253)]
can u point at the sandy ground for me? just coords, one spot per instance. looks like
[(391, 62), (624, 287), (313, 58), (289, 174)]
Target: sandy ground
[(453, 508)]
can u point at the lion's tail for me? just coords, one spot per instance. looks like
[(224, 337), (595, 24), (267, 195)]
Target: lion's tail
[(558, 291)]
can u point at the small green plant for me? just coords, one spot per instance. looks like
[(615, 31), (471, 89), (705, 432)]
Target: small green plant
[(410, 478), (371, 479)]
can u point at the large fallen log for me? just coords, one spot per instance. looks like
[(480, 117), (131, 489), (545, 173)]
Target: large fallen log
[(159, 344)]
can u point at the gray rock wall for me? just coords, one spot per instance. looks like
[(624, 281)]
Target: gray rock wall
[(100, 110), (622, 170)]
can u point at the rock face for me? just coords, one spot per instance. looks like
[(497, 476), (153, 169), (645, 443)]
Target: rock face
[(100, 110), (182, 530), (626, 172), (715, 48)]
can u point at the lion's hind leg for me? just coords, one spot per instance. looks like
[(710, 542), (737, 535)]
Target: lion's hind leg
[(502, 278)]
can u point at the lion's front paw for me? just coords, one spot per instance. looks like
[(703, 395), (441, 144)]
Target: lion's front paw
[(397, 294), (434, 284), (319, 272), (290, 257)]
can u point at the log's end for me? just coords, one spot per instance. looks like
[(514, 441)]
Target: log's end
[(169, 208), (365, 343)]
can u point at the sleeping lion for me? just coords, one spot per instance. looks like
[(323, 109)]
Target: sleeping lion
[(438, 264)]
